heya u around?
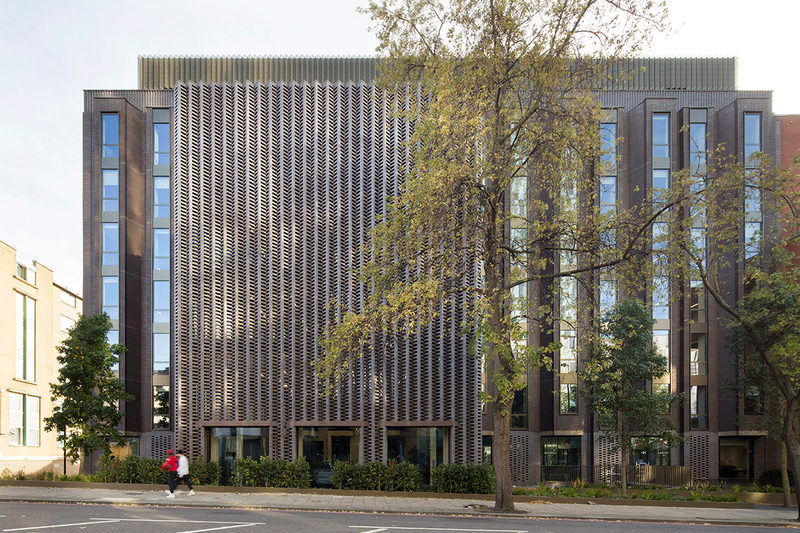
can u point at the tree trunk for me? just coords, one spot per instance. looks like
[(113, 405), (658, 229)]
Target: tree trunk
[(787, 490), (791, 436), (501, 442)]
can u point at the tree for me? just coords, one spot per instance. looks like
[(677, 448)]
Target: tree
[(499, 94), (764, 408), (615, 378), (88, 392), (728, 258)]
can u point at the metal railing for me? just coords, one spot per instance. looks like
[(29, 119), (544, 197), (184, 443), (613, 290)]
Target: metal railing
[(662, 476)]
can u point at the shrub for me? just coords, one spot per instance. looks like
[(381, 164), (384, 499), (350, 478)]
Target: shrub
[(403, 476), (204, 473), (247, 473), (469, 479), (285, 474), (130, 469)]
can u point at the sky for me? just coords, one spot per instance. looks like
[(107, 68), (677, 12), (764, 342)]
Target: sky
[(52, 50)]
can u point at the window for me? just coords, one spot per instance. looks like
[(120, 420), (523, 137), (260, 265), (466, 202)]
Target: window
[(161, 144), (26, 273), (753, 401), (519, 409), (608, 195), (698, 355), (752, 137), (26, 338), (161, 301), (661, 342), (111, 189), (110, 135), (161, 197), (568, 353), (660, 138), (161, 397), (113, 338), (663, 388), (111, 296), (752, 197), (423, 446), (561, 458), (161, 249), (110, 243), (569, 399), (699, 407), (519, 202), (23, 420), (66, 323), (68, 298)]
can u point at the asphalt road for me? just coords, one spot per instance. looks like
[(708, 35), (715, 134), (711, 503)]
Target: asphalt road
[(75, 518)]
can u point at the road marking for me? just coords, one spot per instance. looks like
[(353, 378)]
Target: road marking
[(105, 521), (372, 530), (219, 528), (230, 525), (386, 528)]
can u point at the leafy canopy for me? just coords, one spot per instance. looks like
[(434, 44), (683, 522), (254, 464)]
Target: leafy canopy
[(88, 391)]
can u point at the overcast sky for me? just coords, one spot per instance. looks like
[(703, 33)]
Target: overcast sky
[(51, 50)]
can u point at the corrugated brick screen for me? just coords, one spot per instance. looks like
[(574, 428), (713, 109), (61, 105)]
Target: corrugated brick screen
[(275, 188), (699, 456)]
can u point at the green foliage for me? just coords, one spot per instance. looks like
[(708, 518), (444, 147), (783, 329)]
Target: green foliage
[(267, 472), (88, 392), (621, 362), (247, 473), (469, 479), (494, 96), (130, 469), (394, 476), (204, 473)]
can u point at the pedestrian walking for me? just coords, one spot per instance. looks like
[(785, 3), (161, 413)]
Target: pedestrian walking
[(183, 472), (171, 464)]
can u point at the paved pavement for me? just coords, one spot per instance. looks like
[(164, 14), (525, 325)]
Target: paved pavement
[(760, 516)]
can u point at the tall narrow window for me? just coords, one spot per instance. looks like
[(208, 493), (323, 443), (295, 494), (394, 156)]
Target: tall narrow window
[(161, 352), (26, 338), (699, 407), (519, 410), (568, 403), (753, 225), (608, 159), (161, 304), (110, 243), (569, 353), (111, 189), (662, 166), (161, 253), (111, 296), (110, 135)]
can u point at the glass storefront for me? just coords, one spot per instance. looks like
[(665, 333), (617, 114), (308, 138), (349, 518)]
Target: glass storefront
[(561, 458), (230, 443), (425, 447), (323, 446)]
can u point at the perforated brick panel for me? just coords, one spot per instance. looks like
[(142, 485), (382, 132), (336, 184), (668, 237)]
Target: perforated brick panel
[(699, 456), (159, 444), (519, 459), (275, 188)]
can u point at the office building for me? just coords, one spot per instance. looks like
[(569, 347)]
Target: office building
[(225, 200)]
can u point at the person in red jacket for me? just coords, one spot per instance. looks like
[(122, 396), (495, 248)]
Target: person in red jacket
[(171, 464)]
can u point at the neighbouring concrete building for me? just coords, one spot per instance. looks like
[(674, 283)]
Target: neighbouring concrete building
[(35, 314), (224, 204)]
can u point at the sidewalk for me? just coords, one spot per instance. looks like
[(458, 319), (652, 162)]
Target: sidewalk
[(583, 510)]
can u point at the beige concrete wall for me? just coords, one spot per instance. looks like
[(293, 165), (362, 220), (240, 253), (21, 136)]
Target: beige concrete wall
[(47, 455)]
